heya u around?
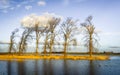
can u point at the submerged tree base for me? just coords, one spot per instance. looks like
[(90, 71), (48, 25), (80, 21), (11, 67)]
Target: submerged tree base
[(68, 57)]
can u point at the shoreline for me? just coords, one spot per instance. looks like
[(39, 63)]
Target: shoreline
[(56, 57)]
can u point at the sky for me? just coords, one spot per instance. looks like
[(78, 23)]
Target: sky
[(106, 15)]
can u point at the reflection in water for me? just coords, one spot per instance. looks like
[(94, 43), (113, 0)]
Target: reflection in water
[(45, 67), (50, 67), (36, 67), (21, 68), (59, 67), (65, 68), (91, 67), (9, 67)]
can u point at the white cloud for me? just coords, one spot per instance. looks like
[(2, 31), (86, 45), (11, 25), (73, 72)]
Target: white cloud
[(41, 3), (53, 15), (32, 20), (28, 7)]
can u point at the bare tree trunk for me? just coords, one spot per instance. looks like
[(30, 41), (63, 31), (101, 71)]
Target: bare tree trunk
[(20, 46), (65, 48), (45, 44), (12, 41), (23, 41), (37, 42), (11, 45), (51, 43), (90, 45)]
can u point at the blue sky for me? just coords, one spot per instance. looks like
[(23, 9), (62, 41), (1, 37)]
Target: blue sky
[(106, 15)]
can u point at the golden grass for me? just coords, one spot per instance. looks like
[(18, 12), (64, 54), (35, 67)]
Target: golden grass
[(70, 57)]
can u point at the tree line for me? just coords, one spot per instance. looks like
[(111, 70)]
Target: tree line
[(55, 31)]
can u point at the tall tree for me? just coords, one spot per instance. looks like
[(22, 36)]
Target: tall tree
[(12, 40), (68, 29), (46, 45), (26, 36), (37, 37), (39, 32), (39, 24), (90, 34), (53, 24)]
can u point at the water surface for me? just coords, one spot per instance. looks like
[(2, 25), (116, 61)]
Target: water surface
[(61, 67)]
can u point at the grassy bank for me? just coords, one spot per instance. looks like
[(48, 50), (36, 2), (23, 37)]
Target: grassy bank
[(68, 57)]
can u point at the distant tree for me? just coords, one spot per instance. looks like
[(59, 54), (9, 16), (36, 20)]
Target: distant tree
[(90, 34), (69, 30), (12, 41)]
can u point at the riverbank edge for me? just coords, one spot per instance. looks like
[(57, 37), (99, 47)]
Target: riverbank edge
[(68, 57)]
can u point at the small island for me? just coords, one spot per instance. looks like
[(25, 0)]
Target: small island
[(59, 37), (51, 31), (69, 57)]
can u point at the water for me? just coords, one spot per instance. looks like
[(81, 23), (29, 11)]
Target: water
[(61, 67)]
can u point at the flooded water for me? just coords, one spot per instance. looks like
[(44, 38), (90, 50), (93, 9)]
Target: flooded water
[(61, 67)]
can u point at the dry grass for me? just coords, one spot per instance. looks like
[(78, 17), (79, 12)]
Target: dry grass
[(70, 57)]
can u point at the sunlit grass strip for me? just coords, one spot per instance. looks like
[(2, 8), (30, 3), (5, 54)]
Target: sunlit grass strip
[(69, 57)]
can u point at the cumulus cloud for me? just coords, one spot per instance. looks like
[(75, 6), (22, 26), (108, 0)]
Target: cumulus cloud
[(52, 15), (42, 20), (29, 21), (28, 7), (41, 3)]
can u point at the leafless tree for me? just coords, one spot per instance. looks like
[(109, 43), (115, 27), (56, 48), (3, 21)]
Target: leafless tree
[(24, 39), (37, 37), (90, 34), (46, 45), (53, 24), (12, 41), (68, 29), (39, 32)]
